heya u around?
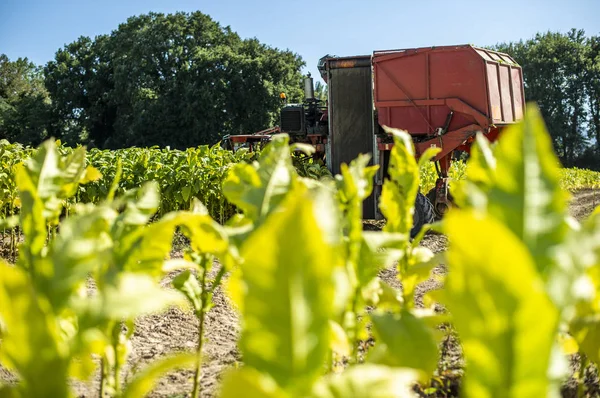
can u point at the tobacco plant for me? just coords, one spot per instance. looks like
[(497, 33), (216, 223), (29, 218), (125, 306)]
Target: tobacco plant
[(50, 326), (522, 289)]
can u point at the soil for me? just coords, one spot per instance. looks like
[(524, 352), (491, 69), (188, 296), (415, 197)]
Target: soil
[(176, 330)]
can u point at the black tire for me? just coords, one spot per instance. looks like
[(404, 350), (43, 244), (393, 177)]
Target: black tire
[(423, 214), (431, 197)]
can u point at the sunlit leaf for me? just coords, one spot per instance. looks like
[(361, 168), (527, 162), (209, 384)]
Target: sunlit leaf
[(399, 192), (30, 338), (188, 284), (249, 383), (143, 383), (369, 381), (287, 337), (404, 341), (500, 309), (259, 188)]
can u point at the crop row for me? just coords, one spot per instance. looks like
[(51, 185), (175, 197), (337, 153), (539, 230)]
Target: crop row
[(181, 175)]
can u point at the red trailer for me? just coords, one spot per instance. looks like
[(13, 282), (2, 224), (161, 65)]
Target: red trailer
[(442, 96)]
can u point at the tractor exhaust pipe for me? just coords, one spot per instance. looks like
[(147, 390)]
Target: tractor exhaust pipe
[(309, 88)]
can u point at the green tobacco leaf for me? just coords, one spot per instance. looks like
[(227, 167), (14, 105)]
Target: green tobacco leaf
[(287, 295), (31, 342), (481, 169), (378, 250), (144, 382), (91, 174), (258, 188), (369, 381), (82, 246), (32, 220), (9, 222), (405, 341), (9, 392), (145, 248), (338, 339), (132, 295), (420, 264), (426, 156), (586, 332), (356, 180), (383, 296), (53, 178), (249, 383), (572, 281), (506, 321), (188, 284), (205, 234), (584, 315), (72, 172), (186, 192), (400, 191), (525, 194), (482, 163)]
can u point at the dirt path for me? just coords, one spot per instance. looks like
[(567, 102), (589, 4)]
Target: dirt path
[(176, 330), (584, 202)]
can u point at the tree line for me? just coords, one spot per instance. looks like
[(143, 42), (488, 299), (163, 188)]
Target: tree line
[(561, 73), (182, 79), (176, 80)]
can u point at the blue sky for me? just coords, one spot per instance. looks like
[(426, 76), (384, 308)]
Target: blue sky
[(37, 28)]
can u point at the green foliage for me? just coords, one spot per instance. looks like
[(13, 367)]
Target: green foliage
[(258, 190), (143, 383), (56, 324), (24, 102), (286, 345), (176, 80), (369, 381), (493, 302), (29, 326), (561, 74), (522, 188), (574, 178), (289, 341), (406, 342), (522, 291), (508, 310)]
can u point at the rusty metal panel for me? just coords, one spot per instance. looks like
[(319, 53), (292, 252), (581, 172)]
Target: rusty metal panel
[(351, 120), (494, 90), (414, 88), (505, 89), (517, 89)]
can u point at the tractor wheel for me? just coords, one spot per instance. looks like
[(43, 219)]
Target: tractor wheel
[(431, 197), (423, 214)]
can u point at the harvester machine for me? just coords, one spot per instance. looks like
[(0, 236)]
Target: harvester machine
[(442, 96)]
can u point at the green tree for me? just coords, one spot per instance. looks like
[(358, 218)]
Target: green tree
[(592, 82), (561, 76), (178, 79), (321, 91), (24, 101)]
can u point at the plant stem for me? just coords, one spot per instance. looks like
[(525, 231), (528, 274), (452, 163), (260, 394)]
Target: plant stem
[(117, 372), (355, 332), (198, 373), (201, 317), (102, 376), (583, 363)]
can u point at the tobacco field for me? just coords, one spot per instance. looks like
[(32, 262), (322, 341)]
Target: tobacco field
[(149, 272)]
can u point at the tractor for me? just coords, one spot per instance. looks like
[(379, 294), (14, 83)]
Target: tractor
[(442, 96)]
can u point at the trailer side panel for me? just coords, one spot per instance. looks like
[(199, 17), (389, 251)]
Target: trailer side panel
[(351, 121)]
